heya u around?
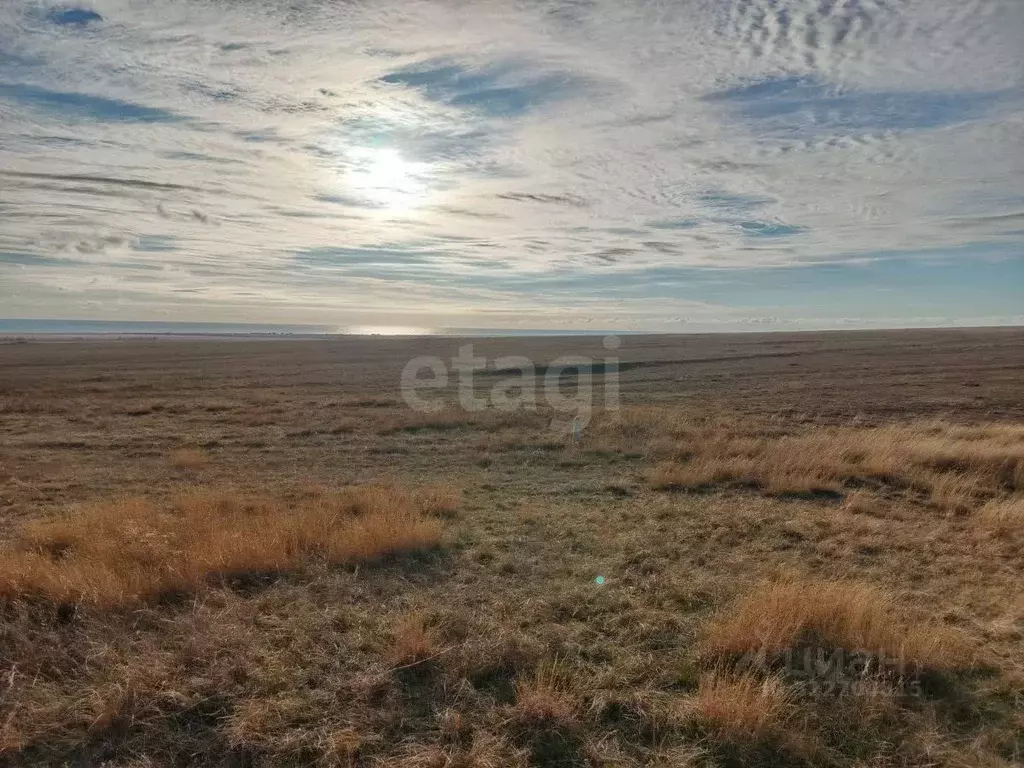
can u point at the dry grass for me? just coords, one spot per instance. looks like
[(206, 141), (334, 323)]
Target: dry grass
[(189, 459), (546, 699), (443, 500), (412, 643), (741, 708), (1003, 518), (704, 472), (447, 662), (861, 503), (957, 493), (780, 619), (446, 418), (131, 550), (268, 724), (483, 751), (955, 467), (527, 422)]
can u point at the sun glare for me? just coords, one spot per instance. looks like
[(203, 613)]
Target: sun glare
[(387, 179), (386, 330)]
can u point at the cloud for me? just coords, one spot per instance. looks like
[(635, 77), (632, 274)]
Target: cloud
[(100, 180), (674, 224), (345, 257), (539, 197), (330, 159)]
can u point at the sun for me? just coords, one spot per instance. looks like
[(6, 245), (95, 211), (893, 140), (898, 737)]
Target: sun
[(383, 177)]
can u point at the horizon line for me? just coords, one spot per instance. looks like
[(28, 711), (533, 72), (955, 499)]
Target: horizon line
[(59, 327)]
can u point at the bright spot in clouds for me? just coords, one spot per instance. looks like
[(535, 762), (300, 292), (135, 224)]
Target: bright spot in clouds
[(384, 177), (385, 330)]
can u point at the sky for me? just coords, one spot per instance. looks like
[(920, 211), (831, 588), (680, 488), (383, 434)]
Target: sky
[(662, 165)]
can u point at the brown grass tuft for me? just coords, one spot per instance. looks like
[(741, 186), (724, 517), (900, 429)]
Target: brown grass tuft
[(779, 618), (484, 751), (441, 500), (1004, 518), (861, 503), (189, 459), (744, 708), (954, 467), (546, 699), (126, 551), (698, 473), (706, 471), (957, 493), (412, 642)]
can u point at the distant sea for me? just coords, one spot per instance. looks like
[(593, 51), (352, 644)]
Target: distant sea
[(163, 328)]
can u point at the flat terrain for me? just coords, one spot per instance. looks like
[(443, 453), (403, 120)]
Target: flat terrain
[(676, 587)]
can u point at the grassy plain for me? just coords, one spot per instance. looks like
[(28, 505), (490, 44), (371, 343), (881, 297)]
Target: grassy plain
[(780, 550)]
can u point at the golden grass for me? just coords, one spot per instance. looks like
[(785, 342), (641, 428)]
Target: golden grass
[(956, 492), (1003, 518), (269, 724), (131, 550), (189, 459), (861, 503), (546, 699), (443, 500), (483, 751), (337, 666), (741, 708), (412, 642), (782, 617), (703, 472), (955, 467)]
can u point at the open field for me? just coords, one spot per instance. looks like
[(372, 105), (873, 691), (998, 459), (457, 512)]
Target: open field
[(780, 550)]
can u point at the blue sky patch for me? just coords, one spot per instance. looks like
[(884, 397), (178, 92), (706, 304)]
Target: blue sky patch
[(805, 106), (156, 244), (675, 224), (343, 256), (501, 90), (32, 259), (769, 229), (81, 105), (73, 16)]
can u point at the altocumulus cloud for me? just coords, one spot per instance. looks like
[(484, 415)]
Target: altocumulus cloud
[(690, 164)]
